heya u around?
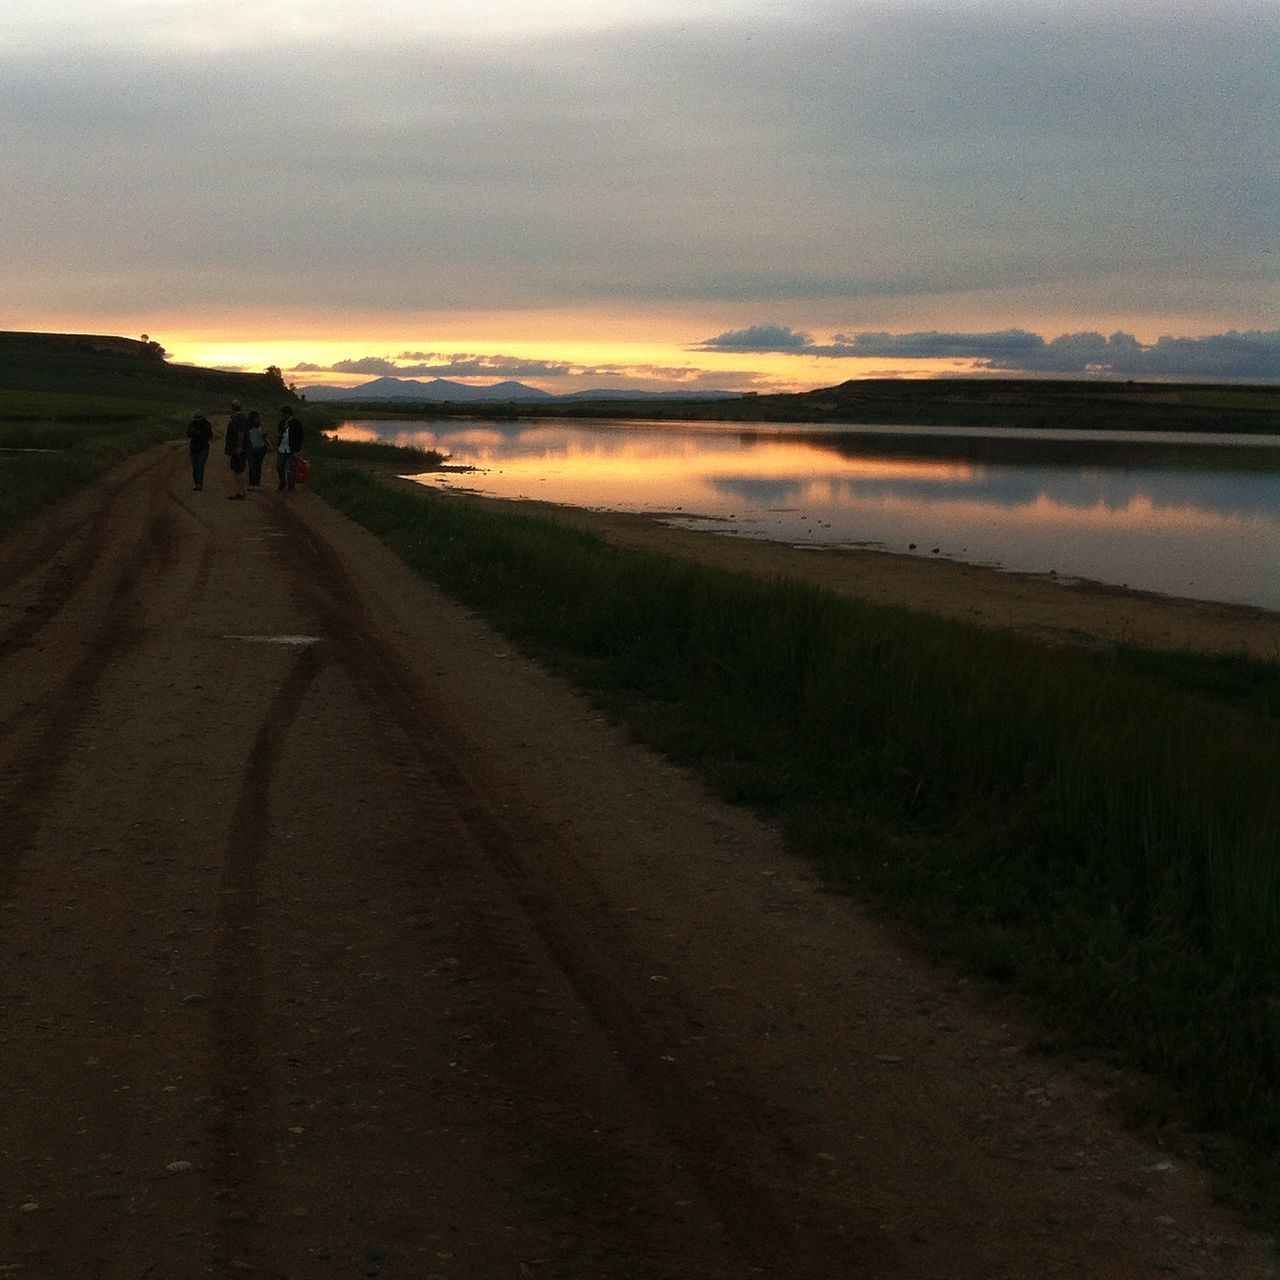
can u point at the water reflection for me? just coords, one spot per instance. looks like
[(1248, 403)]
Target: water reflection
[(1186, 515)]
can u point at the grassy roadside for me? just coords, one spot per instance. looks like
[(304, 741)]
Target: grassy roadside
[(1099, 830), (53, 442)]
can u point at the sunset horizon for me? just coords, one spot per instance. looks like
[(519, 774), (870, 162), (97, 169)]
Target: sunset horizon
[(740, 361), (700, 195)]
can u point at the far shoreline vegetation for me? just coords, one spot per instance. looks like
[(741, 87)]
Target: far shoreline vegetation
[(1022, 403), (1047, 819)]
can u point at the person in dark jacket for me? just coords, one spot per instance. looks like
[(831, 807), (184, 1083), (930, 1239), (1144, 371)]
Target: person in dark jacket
[(199, 434), (237, 447), (288, 448)]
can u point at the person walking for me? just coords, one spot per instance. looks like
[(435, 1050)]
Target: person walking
[(257, 449), (199, 434), (288, 448), (237, 448)]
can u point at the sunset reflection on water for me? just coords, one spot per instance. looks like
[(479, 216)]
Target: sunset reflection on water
[(1188, 516)]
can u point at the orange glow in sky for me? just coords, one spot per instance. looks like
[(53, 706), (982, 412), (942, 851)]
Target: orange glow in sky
[(558, 350), (592, 363)]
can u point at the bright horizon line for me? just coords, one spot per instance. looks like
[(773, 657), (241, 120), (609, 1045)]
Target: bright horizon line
[(687, 355)]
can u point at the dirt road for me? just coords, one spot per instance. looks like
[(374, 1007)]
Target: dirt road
[(336, 940)]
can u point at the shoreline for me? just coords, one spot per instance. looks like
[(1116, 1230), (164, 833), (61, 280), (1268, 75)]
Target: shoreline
[(1067, 612)]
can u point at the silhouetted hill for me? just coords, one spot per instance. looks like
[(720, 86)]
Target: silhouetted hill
[(99, 364), (1099, 404), (442, 390), (437, 390), (607, 394), (1020, 403)]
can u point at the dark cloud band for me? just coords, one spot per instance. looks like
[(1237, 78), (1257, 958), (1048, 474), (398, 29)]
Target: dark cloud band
[(1253, 355), (419, 364)]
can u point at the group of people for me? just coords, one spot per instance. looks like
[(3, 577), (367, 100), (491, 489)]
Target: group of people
[(246, 446)]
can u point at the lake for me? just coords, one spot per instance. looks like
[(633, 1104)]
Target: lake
[(1178, 514)]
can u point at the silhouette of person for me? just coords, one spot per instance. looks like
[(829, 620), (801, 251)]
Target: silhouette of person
[(199, 434), (237, 447), (288, 448), (257, 449)]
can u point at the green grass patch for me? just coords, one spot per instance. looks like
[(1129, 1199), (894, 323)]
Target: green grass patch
[(327, 449), (44, 460), (1079, 824), (1236, 679), (39, 408)]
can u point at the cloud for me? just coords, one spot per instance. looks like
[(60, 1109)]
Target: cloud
[(846, 151), (571, 376), (759, 338), (1253, 355), (374, 365), (417, 364), (420, 364), (230, 27), (461, 365), (1007, 344)]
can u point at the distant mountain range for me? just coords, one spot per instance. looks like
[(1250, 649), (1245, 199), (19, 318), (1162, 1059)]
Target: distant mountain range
[(441, 389)]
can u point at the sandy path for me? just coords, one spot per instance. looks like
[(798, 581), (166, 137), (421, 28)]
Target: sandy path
[(381, 954)]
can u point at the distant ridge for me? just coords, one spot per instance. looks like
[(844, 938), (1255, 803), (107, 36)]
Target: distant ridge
[(604, 393), (127, 368), (16, 341), (1019, 403), (441, 390), (438, 389)]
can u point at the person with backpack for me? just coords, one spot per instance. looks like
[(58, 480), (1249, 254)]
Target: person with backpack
[(257, 449), (237, 448), (199, 434), (288, 448)]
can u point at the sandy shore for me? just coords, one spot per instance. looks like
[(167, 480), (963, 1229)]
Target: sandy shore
[(1058, 611)]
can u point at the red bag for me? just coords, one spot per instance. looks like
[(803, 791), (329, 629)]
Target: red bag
[(303, 470)]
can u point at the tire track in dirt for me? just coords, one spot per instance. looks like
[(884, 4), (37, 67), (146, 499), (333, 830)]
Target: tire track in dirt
[(62, 578), (242, 1084), (37, 742), (747, 1166)]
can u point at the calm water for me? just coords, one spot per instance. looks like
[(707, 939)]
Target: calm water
[(1179, 514)]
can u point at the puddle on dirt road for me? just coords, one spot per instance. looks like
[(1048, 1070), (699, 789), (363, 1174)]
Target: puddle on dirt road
[(282, 639)]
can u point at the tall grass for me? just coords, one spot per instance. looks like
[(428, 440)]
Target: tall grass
[(23, 410), (1068, 821), (332, 449), (50, 444)]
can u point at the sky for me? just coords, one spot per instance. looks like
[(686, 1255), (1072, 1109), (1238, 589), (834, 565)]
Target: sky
[(661, 194)]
